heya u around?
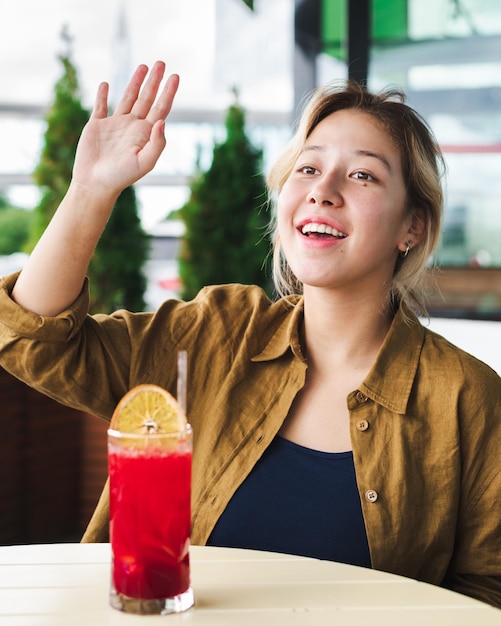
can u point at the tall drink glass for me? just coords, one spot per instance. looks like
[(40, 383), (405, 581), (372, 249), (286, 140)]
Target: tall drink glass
[(150, 485)]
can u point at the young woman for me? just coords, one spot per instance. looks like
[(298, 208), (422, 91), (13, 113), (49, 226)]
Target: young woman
[(327, 423)]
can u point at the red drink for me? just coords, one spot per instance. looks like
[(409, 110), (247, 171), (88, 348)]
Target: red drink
[(150, 515)]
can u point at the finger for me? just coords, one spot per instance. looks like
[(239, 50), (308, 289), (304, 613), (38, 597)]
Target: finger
[(132, 90), (151, 152), (164, 103), (149, 92), (100, 109)]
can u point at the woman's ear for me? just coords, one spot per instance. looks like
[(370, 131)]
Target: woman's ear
[(417, 227), (413, 233)]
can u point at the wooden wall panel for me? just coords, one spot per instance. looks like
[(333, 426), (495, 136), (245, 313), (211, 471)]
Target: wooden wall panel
[(12, 466), (466, 292), (94, 465), (40, 452)]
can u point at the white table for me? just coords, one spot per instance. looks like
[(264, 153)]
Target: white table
[(67, 585)]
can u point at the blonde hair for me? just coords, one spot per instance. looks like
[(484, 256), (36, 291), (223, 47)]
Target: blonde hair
[(422, 168)]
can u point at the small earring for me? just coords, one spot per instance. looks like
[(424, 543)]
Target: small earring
[(404, 253)]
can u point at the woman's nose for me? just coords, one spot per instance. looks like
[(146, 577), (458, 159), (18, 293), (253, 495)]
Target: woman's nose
[(324, 195)]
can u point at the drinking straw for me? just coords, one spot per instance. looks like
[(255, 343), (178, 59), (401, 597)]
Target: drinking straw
[(182, 374)]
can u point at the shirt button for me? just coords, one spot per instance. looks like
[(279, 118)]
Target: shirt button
[(371, 495), (362, 425), (361, 397)]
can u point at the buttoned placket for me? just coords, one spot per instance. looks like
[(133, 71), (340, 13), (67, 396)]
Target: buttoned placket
[(362, 426)]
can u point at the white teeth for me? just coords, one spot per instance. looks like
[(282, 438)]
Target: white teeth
[(314, 227)]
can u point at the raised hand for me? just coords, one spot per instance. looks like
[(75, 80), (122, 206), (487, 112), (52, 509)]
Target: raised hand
[(113, 152), (117, 150)]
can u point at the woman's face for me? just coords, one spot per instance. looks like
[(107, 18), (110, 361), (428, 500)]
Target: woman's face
[(342, 211)]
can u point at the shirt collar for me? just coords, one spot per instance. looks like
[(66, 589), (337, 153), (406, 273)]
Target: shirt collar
[(287, 334), (391, 378)]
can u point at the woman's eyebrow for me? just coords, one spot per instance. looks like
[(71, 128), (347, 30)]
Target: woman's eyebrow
[(314, 148), (375, 155), (366, 153), (360, 152)]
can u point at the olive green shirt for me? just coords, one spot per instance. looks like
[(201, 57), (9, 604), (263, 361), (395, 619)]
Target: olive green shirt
[(425, 423)]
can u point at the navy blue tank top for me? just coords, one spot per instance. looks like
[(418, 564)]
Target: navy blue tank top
[(297, 501)]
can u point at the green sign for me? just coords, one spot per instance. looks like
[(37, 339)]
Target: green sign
[(388, 23)]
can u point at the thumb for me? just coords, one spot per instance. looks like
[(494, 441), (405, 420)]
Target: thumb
[(153, 149)]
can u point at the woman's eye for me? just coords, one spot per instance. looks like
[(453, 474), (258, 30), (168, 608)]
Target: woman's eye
[(363, 176), (307, 169)]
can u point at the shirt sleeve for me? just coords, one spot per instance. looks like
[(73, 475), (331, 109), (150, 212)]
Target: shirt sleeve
[(476, 565), (62, 356), (88, 362), (16, 321)]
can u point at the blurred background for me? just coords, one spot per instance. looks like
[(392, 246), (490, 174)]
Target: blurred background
[(265, 55), (446, 54)]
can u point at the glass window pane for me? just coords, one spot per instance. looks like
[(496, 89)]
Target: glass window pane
[(449, 65)]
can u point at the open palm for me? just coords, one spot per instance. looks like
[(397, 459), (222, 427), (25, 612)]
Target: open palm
[(115, 151)]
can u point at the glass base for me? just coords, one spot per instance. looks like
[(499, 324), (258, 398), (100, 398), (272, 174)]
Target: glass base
[(160, 606)]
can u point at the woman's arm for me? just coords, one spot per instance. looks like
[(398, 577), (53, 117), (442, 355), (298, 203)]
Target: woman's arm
[(113, 153)]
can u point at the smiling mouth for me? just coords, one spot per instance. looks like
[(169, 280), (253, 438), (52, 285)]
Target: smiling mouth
[(312, 228)]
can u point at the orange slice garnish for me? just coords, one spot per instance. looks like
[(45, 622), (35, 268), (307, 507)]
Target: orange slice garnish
[(148, 409)]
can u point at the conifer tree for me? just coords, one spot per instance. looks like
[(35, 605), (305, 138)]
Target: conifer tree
[(64, 123), (15, 226), (117, 280), (116, 270), (225, 217)]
